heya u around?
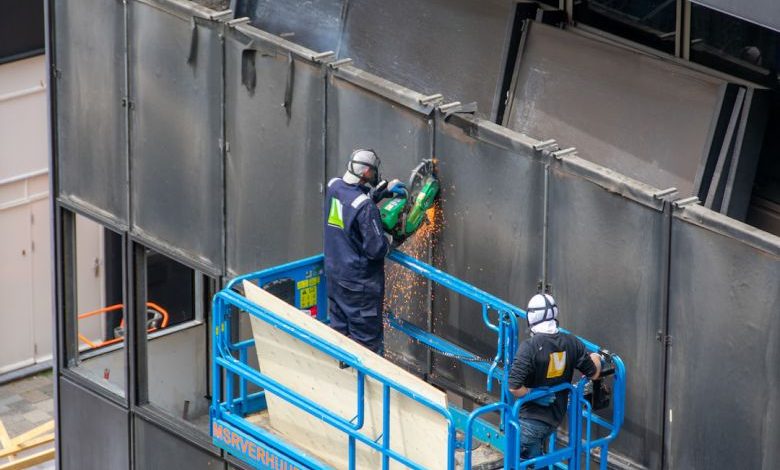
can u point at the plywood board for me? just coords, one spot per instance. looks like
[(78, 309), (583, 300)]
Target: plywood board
[(416, 431)]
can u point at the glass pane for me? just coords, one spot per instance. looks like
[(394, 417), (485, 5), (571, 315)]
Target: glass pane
[(734, 46), (169, 291), (177, 336), (99, 305), (648, 22)]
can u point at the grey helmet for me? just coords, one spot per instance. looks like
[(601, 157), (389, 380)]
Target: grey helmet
[(360, 161)]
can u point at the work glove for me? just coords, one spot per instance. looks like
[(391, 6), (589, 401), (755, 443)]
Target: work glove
[(546, 400), (397, 188)]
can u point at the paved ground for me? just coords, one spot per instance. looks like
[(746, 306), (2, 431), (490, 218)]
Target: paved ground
[(25, 404)]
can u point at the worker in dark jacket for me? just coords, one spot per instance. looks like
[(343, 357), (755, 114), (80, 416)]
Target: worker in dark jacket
[(546, 359), (355, 250)]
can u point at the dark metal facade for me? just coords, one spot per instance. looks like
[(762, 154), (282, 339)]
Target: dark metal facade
[(723, 322), (463, 61), (156, 448), (643, 116), (492, 203), (274, 118), (94, 432), (233, 134), (91, 102), (312, 24), (615, 294), (176, 121)]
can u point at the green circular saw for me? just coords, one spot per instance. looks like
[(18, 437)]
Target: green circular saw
[(404, 213)]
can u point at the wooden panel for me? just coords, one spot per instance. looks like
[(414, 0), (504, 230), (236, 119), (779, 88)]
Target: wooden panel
[(415, 431)]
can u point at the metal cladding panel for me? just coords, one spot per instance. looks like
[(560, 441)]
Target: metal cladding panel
[(93, 431), (641, 116), (453, 47), (761, 12), (176, 161), (276, 159), (157, 449), (606, 270), (492, 209), (357, 118), (724, 322), (91, 120), (315, 24)]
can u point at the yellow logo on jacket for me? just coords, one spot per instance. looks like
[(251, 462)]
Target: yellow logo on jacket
[(557, 364)]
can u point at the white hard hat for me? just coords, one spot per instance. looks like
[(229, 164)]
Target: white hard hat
[(541, 308)]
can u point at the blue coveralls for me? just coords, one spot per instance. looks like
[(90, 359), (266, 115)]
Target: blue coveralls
[(355, 250)]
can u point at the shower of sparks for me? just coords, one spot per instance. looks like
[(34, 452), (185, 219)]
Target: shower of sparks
[(406, 293)]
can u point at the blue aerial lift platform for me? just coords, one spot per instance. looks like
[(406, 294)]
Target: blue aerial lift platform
[(232, 403)]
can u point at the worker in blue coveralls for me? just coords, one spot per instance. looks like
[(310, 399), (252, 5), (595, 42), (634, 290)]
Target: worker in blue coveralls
[(546, 359), (355, 250)]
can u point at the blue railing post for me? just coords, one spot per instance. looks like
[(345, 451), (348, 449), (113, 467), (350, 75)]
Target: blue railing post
[(242, 356), (216, 376), (385, 426)]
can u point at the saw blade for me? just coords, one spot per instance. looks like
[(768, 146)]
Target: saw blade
[(418, 177)]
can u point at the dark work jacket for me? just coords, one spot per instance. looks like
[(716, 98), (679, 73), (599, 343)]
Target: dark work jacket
[(545, 360), (354, 242)]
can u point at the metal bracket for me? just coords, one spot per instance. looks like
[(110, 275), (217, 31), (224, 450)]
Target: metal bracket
[(338, 63), (322, 56), (560, 154), (450, 107), (685, 202), (431, 99), (238, 21), (664, 192), (666, 340), (545, 144), (222, 14), (542, 288)]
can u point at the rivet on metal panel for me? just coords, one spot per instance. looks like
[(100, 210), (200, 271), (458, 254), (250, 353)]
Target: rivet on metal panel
[(339, 63), (431, 99), (664, 192), (450, 107), (322, 56), (686, 201), (238, 21), (545, 144), (559, 154)]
